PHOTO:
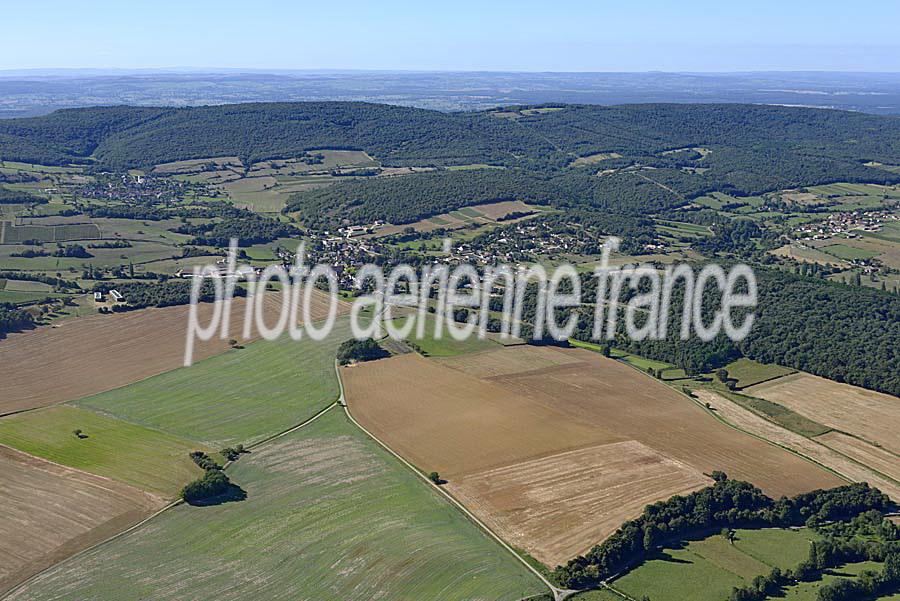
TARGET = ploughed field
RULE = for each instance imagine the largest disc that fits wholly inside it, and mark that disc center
(554, 448)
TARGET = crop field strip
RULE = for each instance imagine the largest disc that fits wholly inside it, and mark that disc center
(337, 517)
(870, 416)
(481, 434)
(241, 396)
(102, 352)
(815, 449)
(51, 511)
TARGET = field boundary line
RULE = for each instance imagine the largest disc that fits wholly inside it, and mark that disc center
(131, 528)
(558, 594)
(159, 512)
(766, 381)
(722, 420)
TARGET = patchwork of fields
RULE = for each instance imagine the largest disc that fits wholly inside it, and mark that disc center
(101, 352)
(525, 441)
(870, 416)
(328, 515)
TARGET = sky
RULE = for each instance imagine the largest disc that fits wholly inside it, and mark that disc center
(460, 35)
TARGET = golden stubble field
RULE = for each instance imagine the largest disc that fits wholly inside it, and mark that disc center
(554, 448)
(871, 416)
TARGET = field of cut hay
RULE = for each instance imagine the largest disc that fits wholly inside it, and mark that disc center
(877, 458)
(444, 420)
(485, 434)
(93, 354)
(328, 515)
(51, 511)
(872, 416)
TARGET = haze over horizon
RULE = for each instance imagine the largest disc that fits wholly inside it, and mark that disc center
(525, 36)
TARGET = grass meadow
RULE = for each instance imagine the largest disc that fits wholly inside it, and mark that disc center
(707, 570)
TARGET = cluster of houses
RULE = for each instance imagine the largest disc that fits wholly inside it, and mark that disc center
(849, 224)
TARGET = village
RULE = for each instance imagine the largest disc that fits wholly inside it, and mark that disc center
(845, 223)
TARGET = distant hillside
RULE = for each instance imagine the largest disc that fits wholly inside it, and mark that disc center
(676, 150)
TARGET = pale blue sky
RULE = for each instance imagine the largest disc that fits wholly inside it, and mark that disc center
(546, 35)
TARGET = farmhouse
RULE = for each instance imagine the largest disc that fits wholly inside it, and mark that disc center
(98, 297)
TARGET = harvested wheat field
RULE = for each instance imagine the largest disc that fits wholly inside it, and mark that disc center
(516, 446)
(572, 500)
(877, 458)
(444, 420)
(813, 448)
(609, 394)
(870, 415)
(508, 361)
(51, 511)
(93, 354)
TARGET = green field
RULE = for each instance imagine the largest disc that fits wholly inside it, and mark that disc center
(849, 253)
(13, 234)
(329, 515)
(748, 372)
(144, 458)
(807, 591)
(707, 570)
(241, 396)
(446, 346)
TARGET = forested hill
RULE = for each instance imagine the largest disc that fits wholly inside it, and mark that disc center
(747, 141)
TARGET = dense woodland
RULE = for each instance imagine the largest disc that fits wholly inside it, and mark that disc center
(752, 149)
(10, 196)
(845, 333)
(13, 319)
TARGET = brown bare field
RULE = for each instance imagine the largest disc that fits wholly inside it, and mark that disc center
(573, 499)
(872, 416)
(87, 355)
(51, 511)
(444, 420)
(878, 459)
(510, 360)
(492, 436)
(609, 394)
(813, 449)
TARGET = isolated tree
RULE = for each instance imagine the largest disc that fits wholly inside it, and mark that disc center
(435, 477)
